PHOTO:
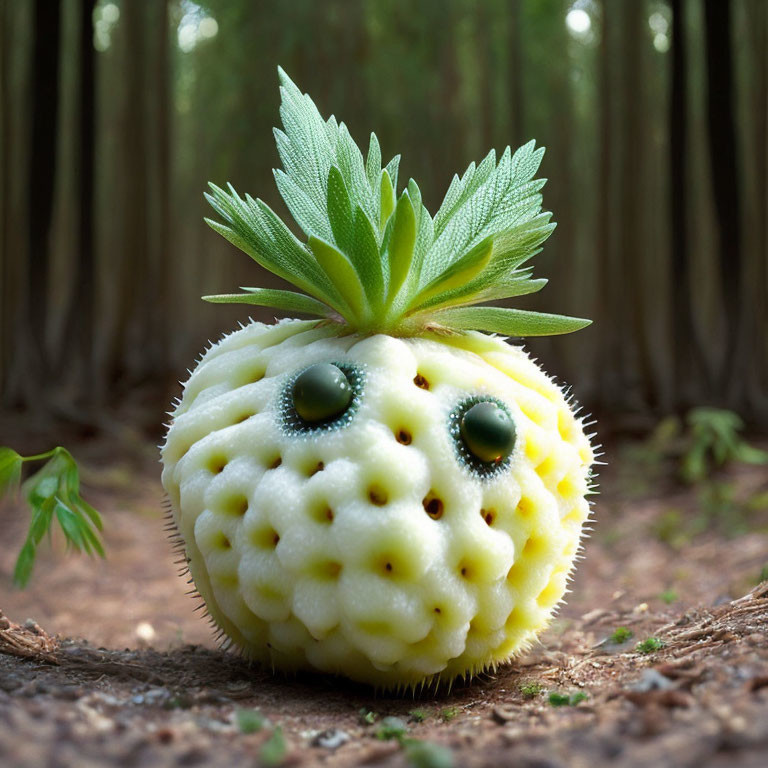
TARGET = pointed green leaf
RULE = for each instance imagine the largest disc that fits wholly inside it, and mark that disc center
(425, 235)
(386, 199)
(391, 168)
(69, 525)
(307, 146)
(311, 219)
(340, 211)
(289, 301)
(256, 229)
(24, 565)
(484, 289)
(400, 247)
(41, 520)
(461, 189)
(509, 322)
(10, 470)
(93, 540)
(349, 160)
(506, 199)
(366, 259)
(459, 273)
(340, 270)
(91, 513)
(373, 162)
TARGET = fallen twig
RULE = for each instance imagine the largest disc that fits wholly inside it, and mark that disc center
(27, 641)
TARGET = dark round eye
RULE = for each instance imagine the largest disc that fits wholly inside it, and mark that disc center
(321, 392)
(484, 435)
(488, 432)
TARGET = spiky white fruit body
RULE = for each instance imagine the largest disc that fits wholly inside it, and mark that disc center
(371, 550)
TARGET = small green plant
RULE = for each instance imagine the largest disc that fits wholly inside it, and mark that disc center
(671, 528)
(692, 449)
(426, 754)
(713, 442)
(621, 635)
(669, 596)
(449, 713)
(366, 716)
(391, 728)
(695, 450)
(250, 720)
(649, 645)
(763, 575)
(530, 690)
(418, 754)
(577, 697)
(557, 699)
(53, 492)
(273, 750)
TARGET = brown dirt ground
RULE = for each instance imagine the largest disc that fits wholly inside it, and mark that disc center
(172, 700)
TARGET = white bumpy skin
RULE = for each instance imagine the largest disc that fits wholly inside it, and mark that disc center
(371, 551)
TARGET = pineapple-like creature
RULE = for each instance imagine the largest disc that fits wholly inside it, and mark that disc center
(390, 491)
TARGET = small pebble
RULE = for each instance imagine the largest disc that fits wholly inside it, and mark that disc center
(145, 632)
(333, 738)
(652, 680)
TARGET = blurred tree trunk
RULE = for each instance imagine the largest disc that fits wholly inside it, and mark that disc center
(44, 87)
(756, 22)
(631, 212)
(725, 184)
(7, 304)
(126, 350)
(159, 193)
(516, 66)
(76, 363)
(609, 384)
(688, 359)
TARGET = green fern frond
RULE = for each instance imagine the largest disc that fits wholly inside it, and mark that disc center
(53, 494)
(377, 261)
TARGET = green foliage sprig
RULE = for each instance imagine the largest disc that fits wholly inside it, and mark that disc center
(649, 645)
(698, 450)
(53, 493)
(557, 699)
(374, 259)
(706, 440)
(621, 635)
(713, 441)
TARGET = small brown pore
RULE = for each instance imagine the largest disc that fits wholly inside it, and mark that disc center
(433, 506)
(378, 495)
(420, 381)
(276, 463)
(404, 437)
(489, 515)
(217, 464)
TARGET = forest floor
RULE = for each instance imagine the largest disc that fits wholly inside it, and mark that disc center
(121, 671)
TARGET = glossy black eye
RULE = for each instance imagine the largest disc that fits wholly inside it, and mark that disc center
(488, 432)
(321, 392)
(484, 434)
(322, 396)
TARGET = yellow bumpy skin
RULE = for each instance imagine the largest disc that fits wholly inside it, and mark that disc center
(371, 549)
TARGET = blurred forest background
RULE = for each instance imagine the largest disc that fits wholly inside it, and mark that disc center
(115, 115)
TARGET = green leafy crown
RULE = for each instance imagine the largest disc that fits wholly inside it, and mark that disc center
(377, 262)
